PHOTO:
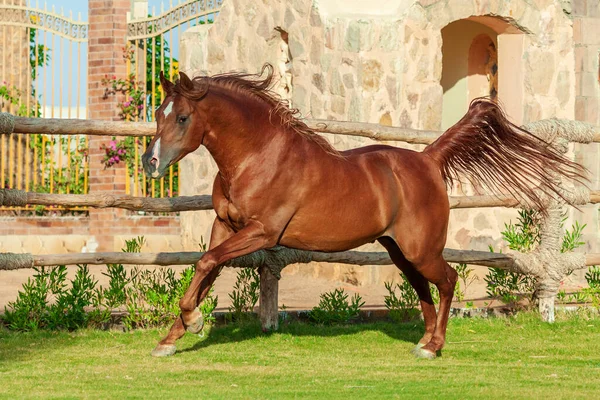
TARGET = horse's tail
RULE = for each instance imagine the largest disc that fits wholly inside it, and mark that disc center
(491, 151)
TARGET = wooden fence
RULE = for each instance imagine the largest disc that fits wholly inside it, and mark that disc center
(546, 263)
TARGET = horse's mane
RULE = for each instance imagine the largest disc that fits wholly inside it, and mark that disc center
(259, 88)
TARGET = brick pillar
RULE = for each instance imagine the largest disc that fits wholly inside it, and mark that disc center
(107, 38)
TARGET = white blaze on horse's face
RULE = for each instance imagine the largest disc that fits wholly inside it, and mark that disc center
(156, 155)
(168, 109)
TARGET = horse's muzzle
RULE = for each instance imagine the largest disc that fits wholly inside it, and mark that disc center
(152, 166)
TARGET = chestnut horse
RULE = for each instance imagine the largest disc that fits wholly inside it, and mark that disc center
(279, 183)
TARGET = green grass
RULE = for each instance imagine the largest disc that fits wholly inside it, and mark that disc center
(484, 358)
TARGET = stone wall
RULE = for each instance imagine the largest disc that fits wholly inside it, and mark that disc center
(384, 65)
(586, 37)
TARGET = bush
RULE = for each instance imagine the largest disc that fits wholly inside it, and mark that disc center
(524, 236)
(401, 306)
(245, 294)
(334, 308)
(33, 310)
(151, 297)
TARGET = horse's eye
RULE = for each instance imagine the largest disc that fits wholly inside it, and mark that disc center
(181, 119)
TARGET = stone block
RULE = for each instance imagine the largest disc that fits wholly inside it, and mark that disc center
(430, 109)
(593, 8)
(338, 105)
(563, 87)
(540, 71)
(590, 31)
(461, 9)
(592, 112)
(348, 80)
(318, 81)
(336, 86)
(370, 75)
(589, 84)
(579, 7)
(354, 110)
(579, 58)
(580, 108)
(591, 59)
(316, 106)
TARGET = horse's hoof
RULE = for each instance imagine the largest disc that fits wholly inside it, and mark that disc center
(198, 324)
(416, 349)
(424, 353)
(164, 350)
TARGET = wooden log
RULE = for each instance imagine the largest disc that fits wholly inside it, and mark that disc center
(183, 258)
(204, 202)
(103, 200)
(592, 259)
(56, 126)
(483, 201)
(595, 197)
(269, 291)
(378, 132)
(484, 258)
(59, 126)
(374, 131)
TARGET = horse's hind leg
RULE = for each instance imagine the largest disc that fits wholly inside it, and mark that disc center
(444, 278)
(419, 283)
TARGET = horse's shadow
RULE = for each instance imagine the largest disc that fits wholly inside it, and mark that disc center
(409, 332)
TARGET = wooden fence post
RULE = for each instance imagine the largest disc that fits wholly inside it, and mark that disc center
(268, 306)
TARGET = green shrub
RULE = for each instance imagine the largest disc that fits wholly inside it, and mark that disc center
(33, 309)
(334, 308)
(245, 294)
(401, 306)
(465, 279)
(151, 297)
(524, 236)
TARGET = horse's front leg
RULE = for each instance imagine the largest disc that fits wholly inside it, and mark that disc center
(231, 245)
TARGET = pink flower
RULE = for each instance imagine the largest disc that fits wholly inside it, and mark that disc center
(127, 104)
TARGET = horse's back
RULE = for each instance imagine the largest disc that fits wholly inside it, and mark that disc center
(362, 196)
(421, 220)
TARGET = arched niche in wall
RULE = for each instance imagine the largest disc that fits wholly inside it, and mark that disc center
(481, 56)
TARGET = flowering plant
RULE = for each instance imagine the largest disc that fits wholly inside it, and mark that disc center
(131, 109)
(114, 153)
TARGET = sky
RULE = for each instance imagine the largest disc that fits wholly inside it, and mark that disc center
(64, 74)
(81, 6)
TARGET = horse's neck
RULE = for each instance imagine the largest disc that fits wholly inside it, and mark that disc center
(238, 136)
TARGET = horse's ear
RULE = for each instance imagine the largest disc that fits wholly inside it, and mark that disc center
(166, 84)
(185, 81)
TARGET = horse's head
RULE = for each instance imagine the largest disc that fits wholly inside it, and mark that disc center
(179, 131)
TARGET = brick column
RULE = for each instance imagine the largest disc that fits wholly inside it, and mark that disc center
(107, 38)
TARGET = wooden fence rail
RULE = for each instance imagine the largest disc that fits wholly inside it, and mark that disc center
(278, 257)
(55, 126)
(13, 197)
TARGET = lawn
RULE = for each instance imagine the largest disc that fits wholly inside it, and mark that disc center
(484, 358)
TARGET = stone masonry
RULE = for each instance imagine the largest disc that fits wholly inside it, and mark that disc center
(383, 64)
